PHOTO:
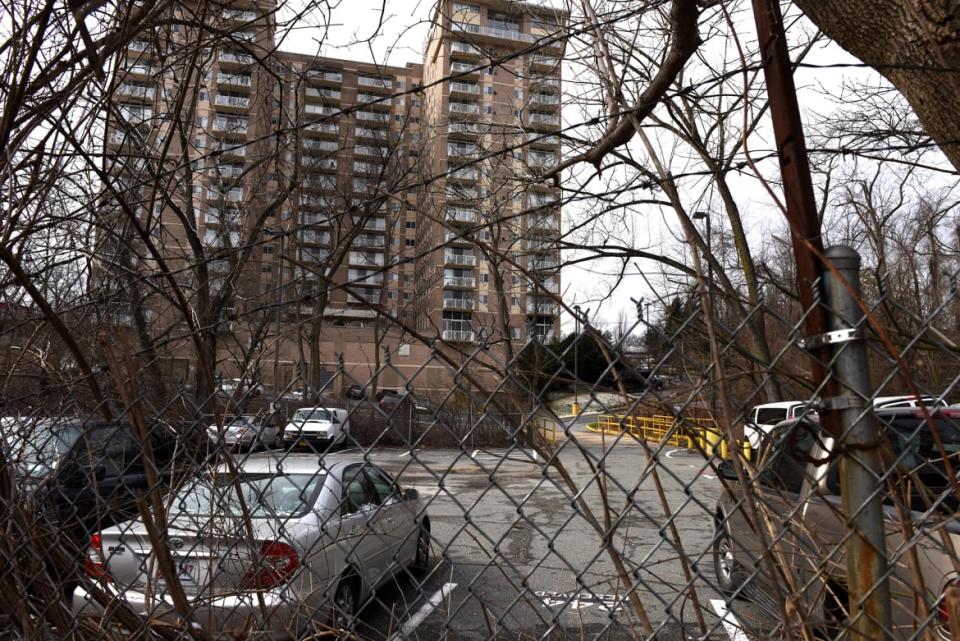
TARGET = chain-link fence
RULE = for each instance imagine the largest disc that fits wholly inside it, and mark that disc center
(668, 496)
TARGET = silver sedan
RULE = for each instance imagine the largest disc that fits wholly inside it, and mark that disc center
(321, 535)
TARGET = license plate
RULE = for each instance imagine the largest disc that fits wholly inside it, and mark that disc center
(185, 571)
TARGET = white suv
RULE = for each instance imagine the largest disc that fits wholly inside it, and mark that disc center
(320, 425)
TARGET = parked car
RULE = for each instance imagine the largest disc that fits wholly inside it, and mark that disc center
(324, 426)
(356, 392)
(900, 402)
(763, 418)
(325, 534)
(84, 473)
(247, 431)
(799, 480)
(387, 399)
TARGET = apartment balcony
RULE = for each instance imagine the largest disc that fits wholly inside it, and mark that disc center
(320, 110)
(541, 245)
(465, 108)
(540, 199)
(230, 126)
(369, 240)
(546, 223)
(541, 121)
(226, 171)
(233, 80)
(544, 63)
(314, 163)
(320, 146)
(465, 129)
(544, 100)
(372, 152)
(370, 297)
(366, 259)
(375, 224)
(325, 76)
(542, 308)
(319, 182)
(215, 217)
(143, 92)
(377, 82)
(368, 168)
(460, 260)
(316, 219)
(464, 50)
(545, 82)
(462, 282)
(467, 304)
(239, 15)
(230, 58)
(233, 195)
(375, 134)
(540, 160)
(459, 336)
(373, 117)
(314, 254)
(543, 336)
(460, 215)
(322, 93)
(245, 36)
(142, 71)
(453, 238)
(235, 102)
(544, 142)
(464, 174)
(542, 263)
(470, 70)
(455, 193)
(310, 237)
(322, 129)
(365, 278)
(550, 286)
(467, 89)
(374, 101)
(492, 33)
(462, 150)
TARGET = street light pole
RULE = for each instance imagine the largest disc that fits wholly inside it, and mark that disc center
(576, 361)
(705, 215)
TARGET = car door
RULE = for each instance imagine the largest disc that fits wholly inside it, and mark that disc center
(358, 541)
(396, 523)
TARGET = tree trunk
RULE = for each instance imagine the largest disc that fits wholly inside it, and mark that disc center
(915, 44)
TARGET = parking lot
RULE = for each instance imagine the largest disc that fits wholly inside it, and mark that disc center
(517, 558)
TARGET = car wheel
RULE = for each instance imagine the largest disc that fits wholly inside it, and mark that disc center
(421, 556)
(345, 603)
(725, 567)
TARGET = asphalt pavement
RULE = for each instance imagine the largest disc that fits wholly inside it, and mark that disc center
(518, 546)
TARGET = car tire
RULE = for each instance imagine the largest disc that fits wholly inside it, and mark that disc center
(421, 554)
(729, 575)
(345, 603)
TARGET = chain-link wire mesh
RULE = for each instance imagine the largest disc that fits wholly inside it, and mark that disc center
(624, 494)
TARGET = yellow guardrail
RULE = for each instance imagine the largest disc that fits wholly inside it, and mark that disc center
(689, 433)
(547, 430)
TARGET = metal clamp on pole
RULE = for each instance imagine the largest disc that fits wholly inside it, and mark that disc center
(835, 337)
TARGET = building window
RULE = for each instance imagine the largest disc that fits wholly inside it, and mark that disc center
(489, 90)
(266, 269)
(484, 277)
(515, 333)
(483, 299)
(410, 242)
(490, 109)
(411, 224)
(515, 301)
(391, 295)
(407, 295)
(268, 249)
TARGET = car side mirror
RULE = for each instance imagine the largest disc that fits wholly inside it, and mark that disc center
(411, 494)
(727, 471)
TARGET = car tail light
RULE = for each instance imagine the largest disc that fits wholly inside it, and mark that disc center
(276, 564)
(93, 564)
(943, 607)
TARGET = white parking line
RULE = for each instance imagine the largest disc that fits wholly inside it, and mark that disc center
(403, 634)
(730, 623)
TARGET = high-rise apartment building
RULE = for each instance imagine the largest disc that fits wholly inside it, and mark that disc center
(312, 207)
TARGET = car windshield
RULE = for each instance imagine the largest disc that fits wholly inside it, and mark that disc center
(266, 495)
(312, 414)
(37, 449)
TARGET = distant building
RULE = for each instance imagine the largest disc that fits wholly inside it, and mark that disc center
(373, 188)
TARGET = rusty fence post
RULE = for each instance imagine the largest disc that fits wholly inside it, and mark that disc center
(861, 467)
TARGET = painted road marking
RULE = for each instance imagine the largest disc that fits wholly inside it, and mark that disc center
(580, 600)
(403, 634)
(730, 623)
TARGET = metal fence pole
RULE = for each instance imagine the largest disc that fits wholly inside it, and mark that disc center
(860, 463)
